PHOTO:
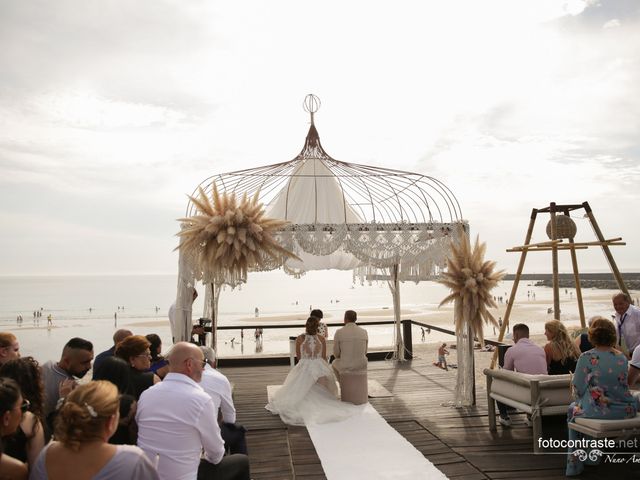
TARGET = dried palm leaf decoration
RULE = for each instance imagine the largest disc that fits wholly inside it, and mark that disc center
(226, 237)
(471, 280)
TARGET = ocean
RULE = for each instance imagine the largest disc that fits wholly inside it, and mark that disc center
(93, 306)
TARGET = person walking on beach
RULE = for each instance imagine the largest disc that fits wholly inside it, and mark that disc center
(422, 332)
(49, 320)
(178, 407)
(442, 359)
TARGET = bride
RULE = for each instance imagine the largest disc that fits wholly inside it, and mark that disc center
(309, 394)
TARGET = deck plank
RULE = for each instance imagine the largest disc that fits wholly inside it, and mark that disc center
(456, 440)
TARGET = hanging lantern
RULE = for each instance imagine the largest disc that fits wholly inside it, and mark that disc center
(565, 227)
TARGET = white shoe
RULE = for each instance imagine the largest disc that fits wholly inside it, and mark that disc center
(505, 422)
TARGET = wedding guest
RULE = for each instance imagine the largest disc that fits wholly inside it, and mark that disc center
(627, 321)
(159, 364)
(561, 353)
(524, 357)
(600, 385)
(120, 335)
(60, 377)
(118, 372)
(219, 389)
(9, 347)
(12, 407)
(322, 327)
(582, 340)
(350, 345)
(178, 408)
(86, 420)
(29, 439)
(135, 351)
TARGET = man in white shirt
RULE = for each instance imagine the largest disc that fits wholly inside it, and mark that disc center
(177, 420)
(627, 320)
(218, 387)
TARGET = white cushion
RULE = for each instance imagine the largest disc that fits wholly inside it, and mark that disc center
(609, 425)
(556, 395)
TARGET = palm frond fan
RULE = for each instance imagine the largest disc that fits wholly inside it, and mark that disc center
(471, 280)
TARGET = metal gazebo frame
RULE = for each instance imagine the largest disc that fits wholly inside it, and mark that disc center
(378, 219)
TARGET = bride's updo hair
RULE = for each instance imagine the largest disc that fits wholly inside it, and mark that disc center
(84, 413)
(311, 326)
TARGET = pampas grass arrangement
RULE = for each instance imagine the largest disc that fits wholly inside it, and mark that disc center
(471, 280)
(226, 238)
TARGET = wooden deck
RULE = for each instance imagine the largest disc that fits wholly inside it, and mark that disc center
(457, 441)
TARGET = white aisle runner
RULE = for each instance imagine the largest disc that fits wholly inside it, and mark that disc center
(365, 446)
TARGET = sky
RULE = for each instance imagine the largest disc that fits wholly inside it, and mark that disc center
(112, 111)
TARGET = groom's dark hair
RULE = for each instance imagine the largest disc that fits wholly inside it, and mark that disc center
(350, 316)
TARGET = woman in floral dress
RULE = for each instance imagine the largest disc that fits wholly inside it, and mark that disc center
(600, 386)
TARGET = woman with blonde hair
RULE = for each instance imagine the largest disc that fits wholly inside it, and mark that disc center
(562, 354)
(86, 419)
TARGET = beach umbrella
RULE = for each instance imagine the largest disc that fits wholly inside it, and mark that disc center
(470, 279)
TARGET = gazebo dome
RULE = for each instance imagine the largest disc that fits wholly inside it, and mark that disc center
(345, 215)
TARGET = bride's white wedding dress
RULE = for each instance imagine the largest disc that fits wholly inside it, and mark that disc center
(309, 394)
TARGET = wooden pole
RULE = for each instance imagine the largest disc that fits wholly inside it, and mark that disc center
(607, 252)
(554, 263)
(516, 281)
(576, 279)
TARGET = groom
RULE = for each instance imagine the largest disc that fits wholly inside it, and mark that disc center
(350, 346)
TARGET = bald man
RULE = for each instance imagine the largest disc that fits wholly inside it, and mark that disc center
(178, 407)
(120, 335)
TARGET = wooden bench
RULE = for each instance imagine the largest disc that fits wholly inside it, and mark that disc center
(537, 395)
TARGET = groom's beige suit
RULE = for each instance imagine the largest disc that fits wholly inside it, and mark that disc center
(350, 349)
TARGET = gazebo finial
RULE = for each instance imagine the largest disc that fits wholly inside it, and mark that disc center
(311, 104)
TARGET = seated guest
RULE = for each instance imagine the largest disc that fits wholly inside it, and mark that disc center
(350, 345)
(524, 357)
(219, 389)
(177, 421)
(159, 364)
(60, 377)
(561, 353)
(9, 347)
(582, 340)
(25, 444)
(600, 385)
(85, 421)
(135, 351)
(12, 407)
(116, 371)
(322, 327)
(117, 338)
